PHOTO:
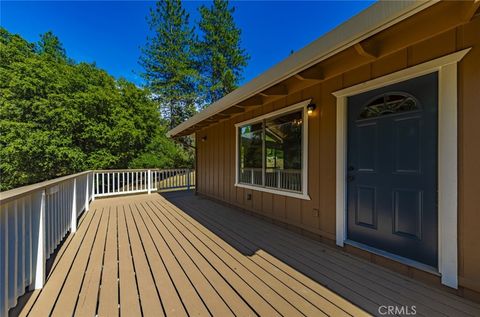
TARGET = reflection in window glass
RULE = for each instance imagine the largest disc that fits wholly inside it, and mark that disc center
(271, 153)
(251, 154)
(283, 152)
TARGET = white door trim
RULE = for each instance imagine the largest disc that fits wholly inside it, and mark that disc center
(446, 66)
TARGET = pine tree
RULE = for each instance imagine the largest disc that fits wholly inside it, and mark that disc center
(51, 46)
(167, 58)
(221, 60)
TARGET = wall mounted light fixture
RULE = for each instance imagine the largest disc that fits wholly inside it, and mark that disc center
(204, 139)
(311, 108)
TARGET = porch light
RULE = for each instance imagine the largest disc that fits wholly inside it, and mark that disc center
(311, 108)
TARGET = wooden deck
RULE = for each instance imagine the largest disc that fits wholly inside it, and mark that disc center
(180, 254)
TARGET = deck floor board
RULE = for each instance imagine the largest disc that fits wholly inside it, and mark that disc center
(177, 254)
(87, 299)
(430, 300)
(209, 295)
(149, 299)
(172, 302)
(129, 297)
(262, 274)
(108, 292)
(338, 271)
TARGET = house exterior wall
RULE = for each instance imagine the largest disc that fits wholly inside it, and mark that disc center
(216, 156)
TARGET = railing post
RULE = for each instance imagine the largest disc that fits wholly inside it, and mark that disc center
(188, 179)
(38, 244)
(4, 262)
(86, 194)
(73, 225)
(149, 182)
(94, 182)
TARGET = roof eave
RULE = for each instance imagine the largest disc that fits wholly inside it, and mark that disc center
(374, 19)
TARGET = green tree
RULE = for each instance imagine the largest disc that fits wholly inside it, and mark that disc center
(58, 118)
(50, 45)
(164, 152)
(221, 59)
(168, 61)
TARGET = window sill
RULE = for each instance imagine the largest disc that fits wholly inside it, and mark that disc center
(303, 196)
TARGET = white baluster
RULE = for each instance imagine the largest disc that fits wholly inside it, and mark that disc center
(73, 224)
(86, 194)
(149, 182)
(38, 243)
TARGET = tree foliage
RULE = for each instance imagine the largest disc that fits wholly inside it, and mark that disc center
(51, 46)
(168, 61)
(58, 117)
(221, 59)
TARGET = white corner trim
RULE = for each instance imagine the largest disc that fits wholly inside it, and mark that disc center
(300, 105)
(341, 171)
(446, 66)
(447, 175)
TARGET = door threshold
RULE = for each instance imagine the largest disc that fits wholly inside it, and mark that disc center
(394, 257)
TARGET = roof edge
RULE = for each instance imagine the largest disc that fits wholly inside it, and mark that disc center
(368, 22)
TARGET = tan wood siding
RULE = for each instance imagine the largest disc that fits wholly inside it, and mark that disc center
(317, 216)
(469, 155)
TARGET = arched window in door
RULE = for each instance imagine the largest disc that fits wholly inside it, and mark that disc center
(388, 104)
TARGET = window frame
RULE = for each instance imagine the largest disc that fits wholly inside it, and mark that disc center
(300, 195)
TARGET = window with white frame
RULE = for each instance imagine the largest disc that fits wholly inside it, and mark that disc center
(271, 151)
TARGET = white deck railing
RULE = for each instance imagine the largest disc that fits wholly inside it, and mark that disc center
(120, 182)
(34, 219)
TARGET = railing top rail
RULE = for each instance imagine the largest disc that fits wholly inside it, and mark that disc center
(140, 170)
(16, 193)
(125, 170)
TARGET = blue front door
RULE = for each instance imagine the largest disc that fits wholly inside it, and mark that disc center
(392, 169)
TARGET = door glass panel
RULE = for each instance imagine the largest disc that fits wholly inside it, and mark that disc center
(388, 104)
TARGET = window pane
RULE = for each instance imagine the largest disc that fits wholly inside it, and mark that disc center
(283, 152)
(389, 104)
(251, 154)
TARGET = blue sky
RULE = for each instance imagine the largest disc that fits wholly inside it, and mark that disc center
(111, 33)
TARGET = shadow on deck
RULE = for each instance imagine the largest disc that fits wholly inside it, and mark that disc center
(180, 254)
